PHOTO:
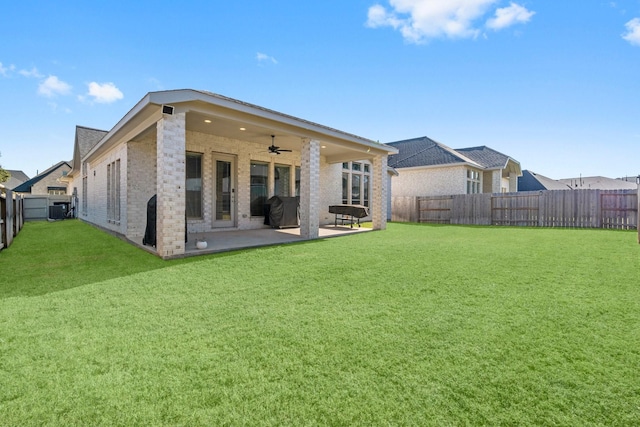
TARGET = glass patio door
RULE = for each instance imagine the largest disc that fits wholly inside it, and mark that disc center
(224, 191)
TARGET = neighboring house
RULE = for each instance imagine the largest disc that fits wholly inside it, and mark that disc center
(45, 195)
(211, 159)
(15, 178)
(49, 182)
(428, 168)
(598, 183)
(531, 181)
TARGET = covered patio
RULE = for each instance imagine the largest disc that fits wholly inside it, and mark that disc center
(212, 163)
(231, 240)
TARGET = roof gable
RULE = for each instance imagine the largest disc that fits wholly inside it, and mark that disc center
(86, 139)
(25, 187)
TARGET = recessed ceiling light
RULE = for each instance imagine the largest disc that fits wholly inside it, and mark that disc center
(323, 146)
(207, 121)
(243, 128)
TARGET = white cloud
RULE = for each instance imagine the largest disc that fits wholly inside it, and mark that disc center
(508, 16)
(104, 93)
(4, 71)
(31, 73)
(421, 20)
(261, 57)
(53, 86)
(633, 31)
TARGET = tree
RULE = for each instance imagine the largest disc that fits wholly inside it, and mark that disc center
(4, 175)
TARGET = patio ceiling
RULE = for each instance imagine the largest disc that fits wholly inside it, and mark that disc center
(260, 133)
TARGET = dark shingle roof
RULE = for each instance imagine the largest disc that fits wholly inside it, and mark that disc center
(487, 157)
(424, 152)
(86, 139)
(531, 181)
(25, 187)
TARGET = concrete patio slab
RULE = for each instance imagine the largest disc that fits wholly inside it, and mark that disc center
(230, 240)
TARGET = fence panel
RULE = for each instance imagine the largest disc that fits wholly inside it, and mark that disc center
(404, 209)
(519, 209)
(471, 209)
(3, 213)
(619, 210)
(616, 209)
(435, 210)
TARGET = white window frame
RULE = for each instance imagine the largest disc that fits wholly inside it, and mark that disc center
(361, 169)
(474, 181)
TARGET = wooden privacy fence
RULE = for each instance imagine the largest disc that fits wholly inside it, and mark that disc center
(617, 209)
(11, 217)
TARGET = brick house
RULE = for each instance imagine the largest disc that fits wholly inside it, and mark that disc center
(429, 168)
(208, 157)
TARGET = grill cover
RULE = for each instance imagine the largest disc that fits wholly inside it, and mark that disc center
(284, 211)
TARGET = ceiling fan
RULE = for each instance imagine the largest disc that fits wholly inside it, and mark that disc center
(275, 150)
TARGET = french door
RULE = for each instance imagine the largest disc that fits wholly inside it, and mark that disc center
(224, 190)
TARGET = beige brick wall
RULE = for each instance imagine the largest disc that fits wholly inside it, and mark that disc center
(142, 185)
(97, 188)
(330, 189)
(430, 182)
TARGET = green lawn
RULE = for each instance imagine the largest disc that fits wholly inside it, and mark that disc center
(416, 325)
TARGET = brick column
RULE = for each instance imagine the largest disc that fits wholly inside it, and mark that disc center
(171, 150)
(379, 184)
(496, 185)
(310, 189)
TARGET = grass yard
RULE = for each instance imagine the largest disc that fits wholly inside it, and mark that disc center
(417, 325)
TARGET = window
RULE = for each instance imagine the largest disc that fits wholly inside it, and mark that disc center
(194, 185)
(473, 182)
(56, 191)
(113, 191)
(355, 189)
(259, 180)
(282, 180)
(356, 183)
(297, 181)
(345, 188)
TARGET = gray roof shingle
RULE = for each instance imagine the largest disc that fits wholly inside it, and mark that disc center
(487, 157)
(425, 152)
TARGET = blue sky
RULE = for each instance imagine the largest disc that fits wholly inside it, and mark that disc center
(553, 84)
